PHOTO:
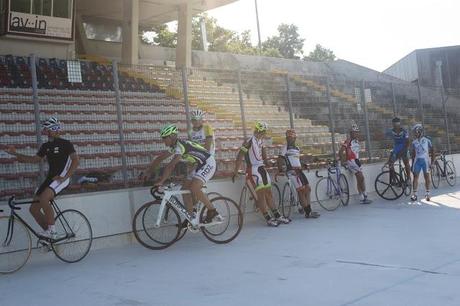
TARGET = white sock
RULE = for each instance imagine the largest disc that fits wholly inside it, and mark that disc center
(363, 196)
(52, 228)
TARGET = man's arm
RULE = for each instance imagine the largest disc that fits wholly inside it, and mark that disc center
(73, 166)
(169, 169)
(208, 143)
(148, 171)
(23, 158)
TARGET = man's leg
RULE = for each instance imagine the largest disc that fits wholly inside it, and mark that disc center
(188, 199)
(195, 187)
(407, 167)
(45, 197)
(35, 211)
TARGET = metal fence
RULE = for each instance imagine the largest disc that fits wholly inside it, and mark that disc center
(114, 114)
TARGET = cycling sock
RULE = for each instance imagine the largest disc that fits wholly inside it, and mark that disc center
(362, 196)
(52, 228)
(276, 213)
(267, 216)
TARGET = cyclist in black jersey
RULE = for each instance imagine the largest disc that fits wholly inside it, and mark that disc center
(204, 169)
(62, 160)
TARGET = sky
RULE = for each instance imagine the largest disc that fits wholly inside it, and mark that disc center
(371, 33)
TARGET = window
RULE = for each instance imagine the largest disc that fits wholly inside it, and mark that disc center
(62, 8)
(102, 31)
(41, 7)
(21, 6)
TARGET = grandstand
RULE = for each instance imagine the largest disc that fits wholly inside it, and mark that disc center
(152, 94)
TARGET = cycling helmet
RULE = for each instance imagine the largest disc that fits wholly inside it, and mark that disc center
(290, 133)
(417, 128)
(52, 123)
(197, 114)
(261, 126)
(354, 127)
(168, 130)
(396, 120)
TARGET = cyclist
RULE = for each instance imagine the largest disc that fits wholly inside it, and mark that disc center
(63, 161)
(421, 151)
(291, 156)
(204, 169)
(202, 133)
(349, 156)
(256, 157)
(401, 146)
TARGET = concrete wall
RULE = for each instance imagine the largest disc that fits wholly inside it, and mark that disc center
(25, 47)
(110, 213)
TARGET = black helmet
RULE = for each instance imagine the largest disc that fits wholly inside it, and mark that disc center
(396, 119)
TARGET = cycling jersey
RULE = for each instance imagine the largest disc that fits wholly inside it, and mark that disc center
(422, 148)
(190, 151)
(352, 148)
(57, 153)
(291, 154)
(400, 138)
(200, 136)
(253, 151)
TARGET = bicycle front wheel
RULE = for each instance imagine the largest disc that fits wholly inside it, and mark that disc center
(232, 221)
(76, 226)
(451, 174)
(435, 175)
(287, 200)
(150, 236)
(276, 195)
(389, 186)
(344, 190)
(14, 248)
(327, 195)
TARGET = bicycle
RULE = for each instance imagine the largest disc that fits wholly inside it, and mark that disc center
(289, 198)
(158, 224)
(443, 168)
(391, 184)
(332, 190)
(74, 232)
(251, 196)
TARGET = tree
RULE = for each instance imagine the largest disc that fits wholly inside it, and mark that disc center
(287, 42)
(161, 36)
(320, 54)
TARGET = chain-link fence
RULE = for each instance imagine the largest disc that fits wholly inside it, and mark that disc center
(112, 114)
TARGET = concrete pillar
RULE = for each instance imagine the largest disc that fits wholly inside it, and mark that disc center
(130, 32)
(184, 37)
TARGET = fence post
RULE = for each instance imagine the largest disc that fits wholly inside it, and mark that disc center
(38, 130)
(187, 104)
(331, 117)
(446, 119)
(121, 136)
(395, 111)
(366, 121)
(288, 88)
(420, 103)
(240, 93)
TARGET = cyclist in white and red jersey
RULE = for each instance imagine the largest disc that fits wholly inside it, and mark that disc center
(349, 156)
(253, 152)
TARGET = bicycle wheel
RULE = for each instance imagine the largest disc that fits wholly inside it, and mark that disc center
(287, 200)
(407, 184)
(327, 194)
(451, 174)
(151, 237)
(389, 190)
(344, 190)
(213, 195)
(14, 250)
(230, 227)
(75, 248)
(244, 199)
(435, 174)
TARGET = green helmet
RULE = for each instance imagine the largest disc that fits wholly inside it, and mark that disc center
(261, 126)
(168, 130)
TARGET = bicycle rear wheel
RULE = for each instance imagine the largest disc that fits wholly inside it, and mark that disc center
(14, 250)
(230, 227)
(389, 188)
(287, 200)
(435, 174)
(451, 174)
(156, 238)
(276, 195)
(327, 195)
(75, 248)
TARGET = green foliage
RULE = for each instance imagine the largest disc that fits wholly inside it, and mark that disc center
(287, 42)
(320, 54)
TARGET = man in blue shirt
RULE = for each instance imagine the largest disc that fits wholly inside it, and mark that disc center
(400, 147)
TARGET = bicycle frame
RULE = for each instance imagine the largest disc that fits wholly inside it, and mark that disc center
(330, 181)
(9, 235)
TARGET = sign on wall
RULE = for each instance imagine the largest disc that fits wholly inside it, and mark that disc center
(38, 25)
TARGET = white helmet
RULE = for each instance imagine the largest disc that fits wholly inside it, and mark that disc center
(52, 123)
(354, 127)
(197, 114)
(417, 127)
